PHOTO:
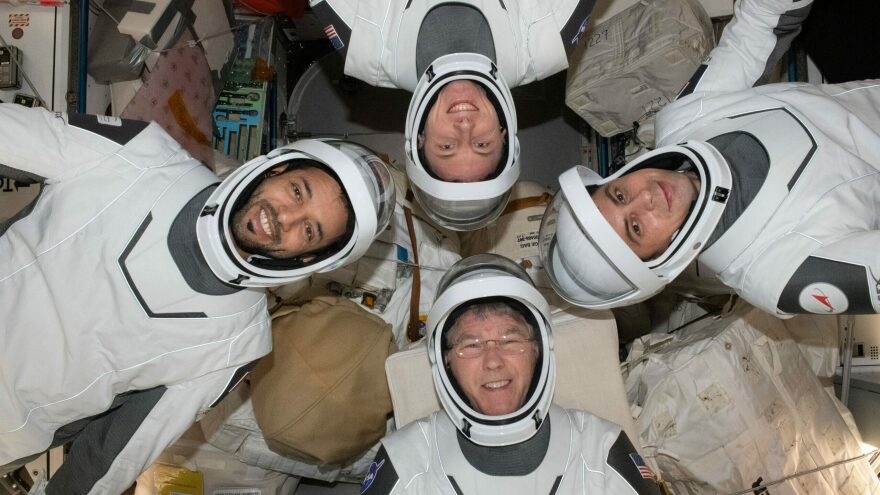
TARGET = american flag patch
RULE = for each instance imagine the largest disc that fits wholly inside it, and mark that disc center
(334, 38)
(644, 470)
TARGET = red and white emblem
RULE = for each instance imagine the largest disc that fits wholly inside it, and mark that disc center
(822, 298)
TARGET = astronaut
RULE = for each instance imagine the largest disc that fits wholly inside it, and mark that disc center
(494, 370)
(133, 297)
(395, 280)
(772, 189)
(459, 59)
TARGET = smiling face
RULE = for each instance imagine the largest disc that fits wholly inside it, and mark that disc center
(463, 140)
(494, 383)
(290, 214)
(647, 206)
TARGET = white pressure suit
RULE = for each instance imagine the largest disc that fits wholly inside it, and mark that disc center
(800, 229)
(382, 282)
(573, 452)
(115, 330)
(379, 38)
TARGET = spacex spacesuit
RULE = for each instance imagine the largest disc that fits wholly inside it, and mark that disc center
(574, 452)
(383, 282)
(121, 323)
(386, 44)
(537, 448)
(789, 187)
(425, 47)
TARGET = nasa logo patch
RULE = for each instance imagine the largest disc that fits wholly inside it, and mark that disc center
(580, 32)
(822, 298)
(371, 476)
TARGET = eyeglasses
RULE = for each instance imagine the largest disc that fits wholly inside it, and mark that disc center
(508, 344)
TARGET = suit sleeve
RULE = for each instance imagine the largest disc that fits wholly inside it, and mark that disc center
(39, 145)
(116, 447)
(630, 471)
(337, 20)
(576, 24)
(759, 34)
(840, 277)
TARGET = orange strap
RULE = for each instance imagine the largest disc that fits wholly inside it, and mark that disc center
(412, 327)
(522, 203)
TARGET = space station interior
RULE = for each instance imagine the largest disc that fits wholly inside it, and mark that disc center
(716, 395)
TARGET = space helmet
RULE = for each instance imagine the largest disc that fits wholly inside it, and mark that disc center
(480, 279)
(364, 177)
(588, 263)
(461, 205)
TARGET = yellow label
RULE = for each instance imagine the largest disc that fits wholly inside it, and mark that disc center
(175, 480)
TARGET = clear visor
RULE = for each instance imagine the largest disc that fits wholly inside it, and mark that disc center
(576, 265)
(461, 214)
(376, 176)
(522, 340)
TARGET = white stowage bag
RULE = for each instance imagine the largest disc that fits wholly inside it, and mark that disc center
(630, 66)
(217, 472)
(735, 404)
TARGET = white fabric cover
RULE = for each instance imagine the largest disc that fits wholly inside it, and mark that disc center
(630, 66)
(379, 268)
(734, 400)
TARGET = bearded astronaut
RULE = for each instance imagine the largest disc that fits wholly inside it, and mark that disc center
(132, 287)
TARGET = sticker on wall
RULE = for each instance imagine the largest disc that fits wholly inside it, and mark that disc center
(19, 20)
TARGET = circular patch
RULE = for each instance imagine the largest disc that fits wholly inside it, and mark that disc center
(822, 298)
(17, 33)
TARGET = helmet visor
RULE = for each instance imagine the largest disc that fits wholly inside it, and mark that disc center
(463, 343)
(578, 267)
(471, 298)
(490, 122)
(376, 176)
(465, 214)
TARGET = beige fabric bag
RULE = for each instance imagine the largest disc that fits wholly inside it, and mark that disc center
(321, 395)
(630, 66)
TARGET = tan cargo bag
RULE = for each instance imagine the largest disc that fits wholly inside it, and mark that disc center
(321, 395)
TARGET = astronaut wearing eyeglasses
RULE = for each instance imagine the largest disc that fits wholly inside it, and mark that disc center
(494, 370)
